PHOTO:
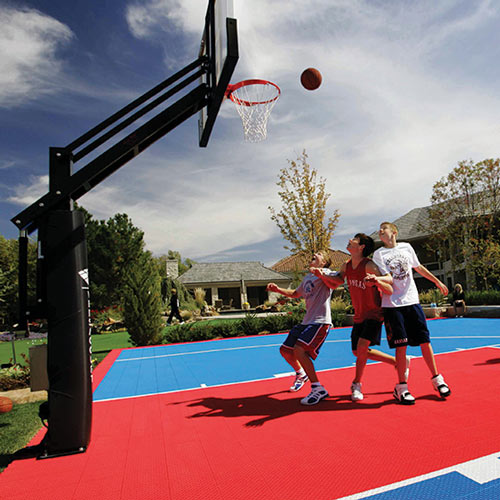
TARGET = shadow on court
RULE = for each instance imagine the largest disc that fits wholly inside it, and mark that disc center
(493, 361)
(267, 407)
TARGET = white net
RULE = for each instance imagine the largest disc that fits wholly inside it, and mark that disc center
(254, 102)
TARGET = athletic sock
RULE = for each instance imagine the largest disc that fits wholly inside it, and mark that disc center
(301, 372)
(315, 385)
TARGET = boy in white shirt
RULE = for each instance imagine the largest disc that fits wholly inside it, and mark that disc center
(403, 315)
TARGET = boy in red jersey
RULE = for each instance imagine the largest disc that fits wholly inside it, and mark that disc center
(365, 287)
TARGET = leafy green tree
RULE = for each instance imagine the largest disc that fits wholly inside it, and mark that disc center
(9, 279)
(142, 304)
(464, 217)
(303, 219)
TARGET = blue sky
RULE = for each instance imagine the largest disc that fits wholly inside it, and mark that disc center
(409, 89)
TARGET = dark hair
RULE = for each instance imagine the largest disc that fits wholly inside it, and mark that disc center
(367, 241)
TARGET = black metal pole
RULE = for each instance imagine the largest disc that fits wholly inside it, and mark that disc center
(68, 350)
(23, 282)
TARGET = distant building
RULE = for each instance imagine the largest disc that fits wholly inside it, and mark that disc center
(231, 284)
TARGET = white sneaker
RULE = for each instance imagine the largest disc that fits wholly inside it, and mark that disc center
(402, 394)
(356, 394)
(440, 385)
(299, 382)
(315, 396)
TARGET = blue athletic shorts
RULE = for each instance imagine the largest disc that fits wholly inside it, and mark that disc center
(310, 337)
(406, 325)
(370, 329)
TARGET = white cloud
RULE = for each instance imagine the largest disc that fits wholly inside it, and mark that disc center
(29, 64)
(388, 121)
(26, 194)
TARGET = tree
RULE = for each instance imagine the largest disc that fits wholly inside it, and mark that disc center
(464, 215)
(142, 304)
(303, 219)
(168, 283)
(113, 247)
(9, 279)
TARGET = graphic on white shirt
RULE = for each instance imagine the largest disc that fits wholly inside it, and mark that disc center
(398, 265)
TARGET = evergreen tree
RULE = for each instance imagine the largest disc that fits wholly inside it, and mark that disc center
(142, 304)
(113, 248)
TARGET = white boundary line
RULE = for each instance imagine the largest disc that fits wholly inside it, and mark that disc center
(469, 469)
(277, 345)
(278, 375)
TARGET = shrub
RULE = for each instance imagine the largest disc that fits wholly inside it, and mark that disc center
(199, 298)
(14, 377)
(432, 296)
(142, 303)
(338, 318)
(226, 330)
(276, 323)
(296, 309)
(250, 324)
(482, 297)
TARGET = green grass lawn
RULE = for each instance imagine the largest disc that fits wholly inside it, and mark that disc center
(101, 343)
(18, 428)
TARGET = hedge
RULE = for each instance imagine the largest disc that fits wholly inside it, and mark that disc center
(249, 325)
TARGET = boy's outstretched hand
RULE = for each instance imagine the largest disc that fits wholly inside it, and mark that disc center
(317, 271)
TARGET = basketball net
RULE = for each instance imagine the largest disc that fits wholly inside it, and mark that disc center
(254, 101)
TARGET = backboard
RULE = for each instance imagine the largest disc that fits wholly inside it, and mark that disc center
(219, 43)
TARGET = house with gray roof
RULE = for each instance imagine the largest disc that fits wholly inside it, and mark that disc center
(233, 283)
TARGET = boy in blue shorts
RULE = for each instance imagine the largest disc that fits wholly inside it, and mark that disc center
(404, 318)
(304, 341)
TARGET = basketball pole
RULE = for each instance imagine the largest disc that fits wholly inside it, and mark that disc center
(62, 267)
(62, 238)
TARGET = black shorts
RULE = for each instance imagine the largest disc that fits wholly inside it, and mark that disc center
(406, 325)
(370, 329)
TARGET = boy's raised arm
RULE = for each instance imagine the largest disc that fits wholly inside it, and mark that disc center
(331, 281)
(287, 292)
(423, 271)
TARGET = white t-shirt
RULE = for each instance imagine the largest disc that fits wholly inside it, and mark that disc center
(317, 296)
(398, 262)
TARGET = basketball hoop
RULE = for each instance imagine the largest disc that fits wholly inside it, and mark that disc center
(254, 100)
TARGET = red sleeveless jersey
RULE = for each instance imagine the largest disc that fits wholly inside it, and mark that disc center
(366, 299)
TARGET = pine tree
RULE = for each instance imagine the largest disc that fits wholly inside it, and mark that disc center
(142, 304)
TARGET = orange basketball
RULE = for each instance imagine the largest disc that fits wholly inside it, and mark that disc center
(311, 78)
(5, 404)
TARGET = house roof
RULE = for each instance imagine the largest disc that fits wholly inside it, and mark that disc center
(300, 261)
(229, 271)
(410, 225)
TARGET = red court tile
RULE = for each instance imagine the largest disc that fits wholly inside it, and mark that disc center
(255, 441)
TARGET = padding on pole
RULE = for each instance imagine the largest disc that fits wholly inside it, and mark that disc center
(69, 344)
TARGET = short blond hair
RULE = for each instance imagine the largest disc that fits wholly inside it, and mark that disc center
(391, 225)
(326, 257)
